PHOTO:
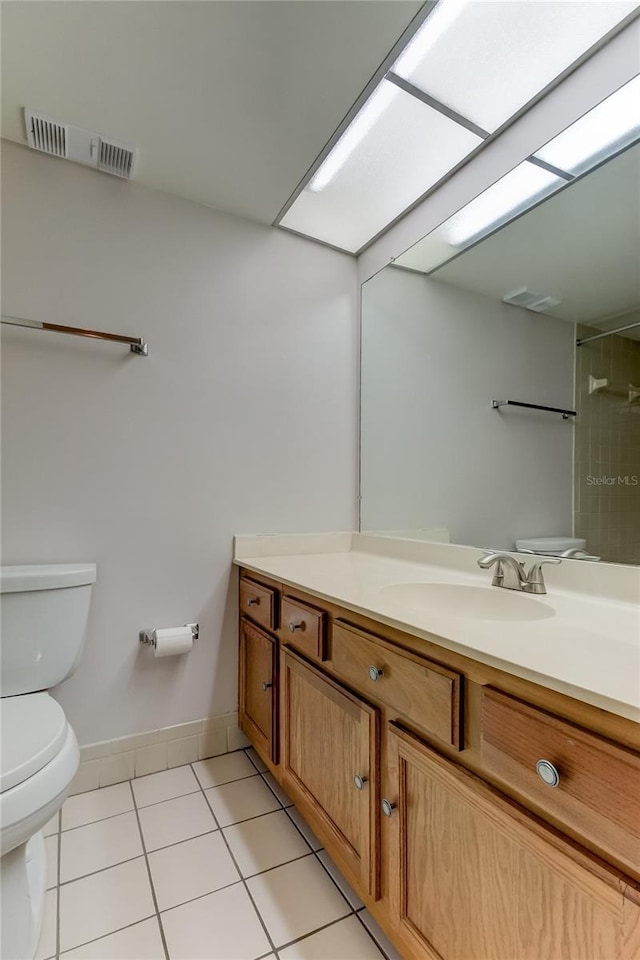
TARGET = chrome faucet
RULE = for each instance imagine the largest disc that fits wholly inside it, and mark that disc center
(511, 574)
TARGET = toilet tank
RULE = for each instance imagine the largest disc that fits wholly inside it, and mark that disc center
(43, 618)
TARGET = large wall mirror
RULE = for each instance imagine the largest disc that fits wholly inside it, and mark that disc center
(480, 312)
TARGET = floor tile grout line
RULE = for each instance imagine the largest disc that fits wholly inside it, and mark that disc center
(241, 879)
(146, 860)
(299, 829)
(104, 936)
(175, 843)
(378, 945)
(305, 936)
(58, 882)
(333, 880)
(314, 853)
(201, 896)
(93, 873)
(216, 829)
(244, 882)
(110, 816)
(157, 803)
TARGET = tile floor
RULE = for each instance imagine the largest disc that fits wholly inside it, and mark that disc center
(208, 861)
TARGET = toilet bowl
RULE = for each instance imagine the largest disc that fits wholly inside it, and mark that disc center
(44, 614)
(39, 759)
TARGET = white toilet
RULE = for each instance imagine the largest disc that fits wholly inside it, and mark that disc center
(44, 617)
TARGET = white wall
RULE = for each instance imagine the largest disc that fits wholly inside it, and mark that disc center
(242, 419)
(434, 453)
(603, 73)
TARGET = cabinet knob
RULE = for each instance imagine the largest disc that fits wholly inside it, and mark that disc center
(548, 773)
(388, 807)
(375, 673)
(359, 781)
(296, 626)
(253, 601)
(265, 685)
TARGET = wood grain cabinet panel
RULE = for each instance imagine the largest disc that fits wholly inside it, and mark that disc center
(598, 791)
(258, 689)
(259, 602)
(475, 877)
(330, 739)
(304, 627)
(427, 694)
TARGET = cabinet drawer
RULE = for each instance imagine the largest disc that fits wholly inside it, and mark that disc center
(258, 602)
(424, 692)
(304, 628)
(597, 793)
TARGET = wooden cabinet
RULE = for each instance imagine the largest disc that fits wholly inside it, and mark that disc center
(477, 878)
(259, 689)
(330, 757)
(416, 768)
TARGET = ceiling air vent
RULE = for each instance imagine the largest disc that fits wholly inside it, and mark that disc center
(45, 134)
(539, 302)
(116, 159)
(78, 144)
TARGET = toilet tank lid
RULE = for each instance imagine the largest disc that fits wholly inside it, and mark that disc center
(34, 728)
(52, 576)
(551, 544)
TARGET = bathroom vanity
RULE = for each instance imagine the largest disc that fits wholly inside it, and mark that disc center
(481, 807)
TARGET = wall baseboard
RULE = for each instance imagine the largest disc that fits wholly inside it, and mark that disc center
(112, 761)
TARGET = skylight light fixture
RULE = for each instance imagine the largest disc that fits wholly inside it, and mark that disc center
(370, 113)
(487, 59)
(612, 125)
(437, 23)
(516, 191)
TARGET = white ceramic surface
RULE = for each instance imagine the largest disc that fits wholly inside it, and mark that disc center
(467, 603)
(44, 618)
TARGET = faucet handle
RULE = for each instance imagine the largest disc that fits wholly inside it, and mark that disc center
(535, 580)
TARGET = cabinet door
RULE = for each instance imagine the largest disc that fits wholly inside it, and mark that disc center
(330, 759)
(258, 694)
(475, 877)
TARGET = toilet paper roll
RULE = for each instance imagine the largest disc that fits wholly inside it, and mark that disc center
(172, 640)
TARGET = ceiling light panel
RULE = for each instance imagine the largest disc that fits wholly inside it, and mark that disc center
(517, 191)
(612, 125)
(394, 151)
(486, 59)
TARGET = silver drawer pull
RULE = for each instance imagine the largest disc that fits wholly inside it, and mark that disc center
(548, 773)
(266, 686)
(296, 626)
(375, 673)
(388, 807)
(359, 781)
(253, 600)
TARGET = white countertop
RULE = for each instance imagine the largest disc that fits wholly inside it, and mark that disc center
(587, 648)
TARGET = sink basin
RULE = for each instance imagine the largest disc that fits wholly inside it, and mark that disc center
(468, 603)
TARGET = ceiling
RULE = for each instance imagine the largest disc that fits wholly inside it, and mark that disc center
(581, 246)
(228, 103)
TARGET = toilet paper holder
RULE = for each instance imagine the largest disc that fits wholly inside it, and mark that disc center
(149, 635)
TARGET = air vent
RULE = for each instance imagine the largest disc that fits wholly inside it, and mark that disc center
(116, 159)
(79, 145)
(538, 302)
(45, 134)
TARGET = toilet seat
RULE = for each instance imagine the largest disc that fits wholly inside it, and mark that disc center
(34, 728)
(41, 766)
